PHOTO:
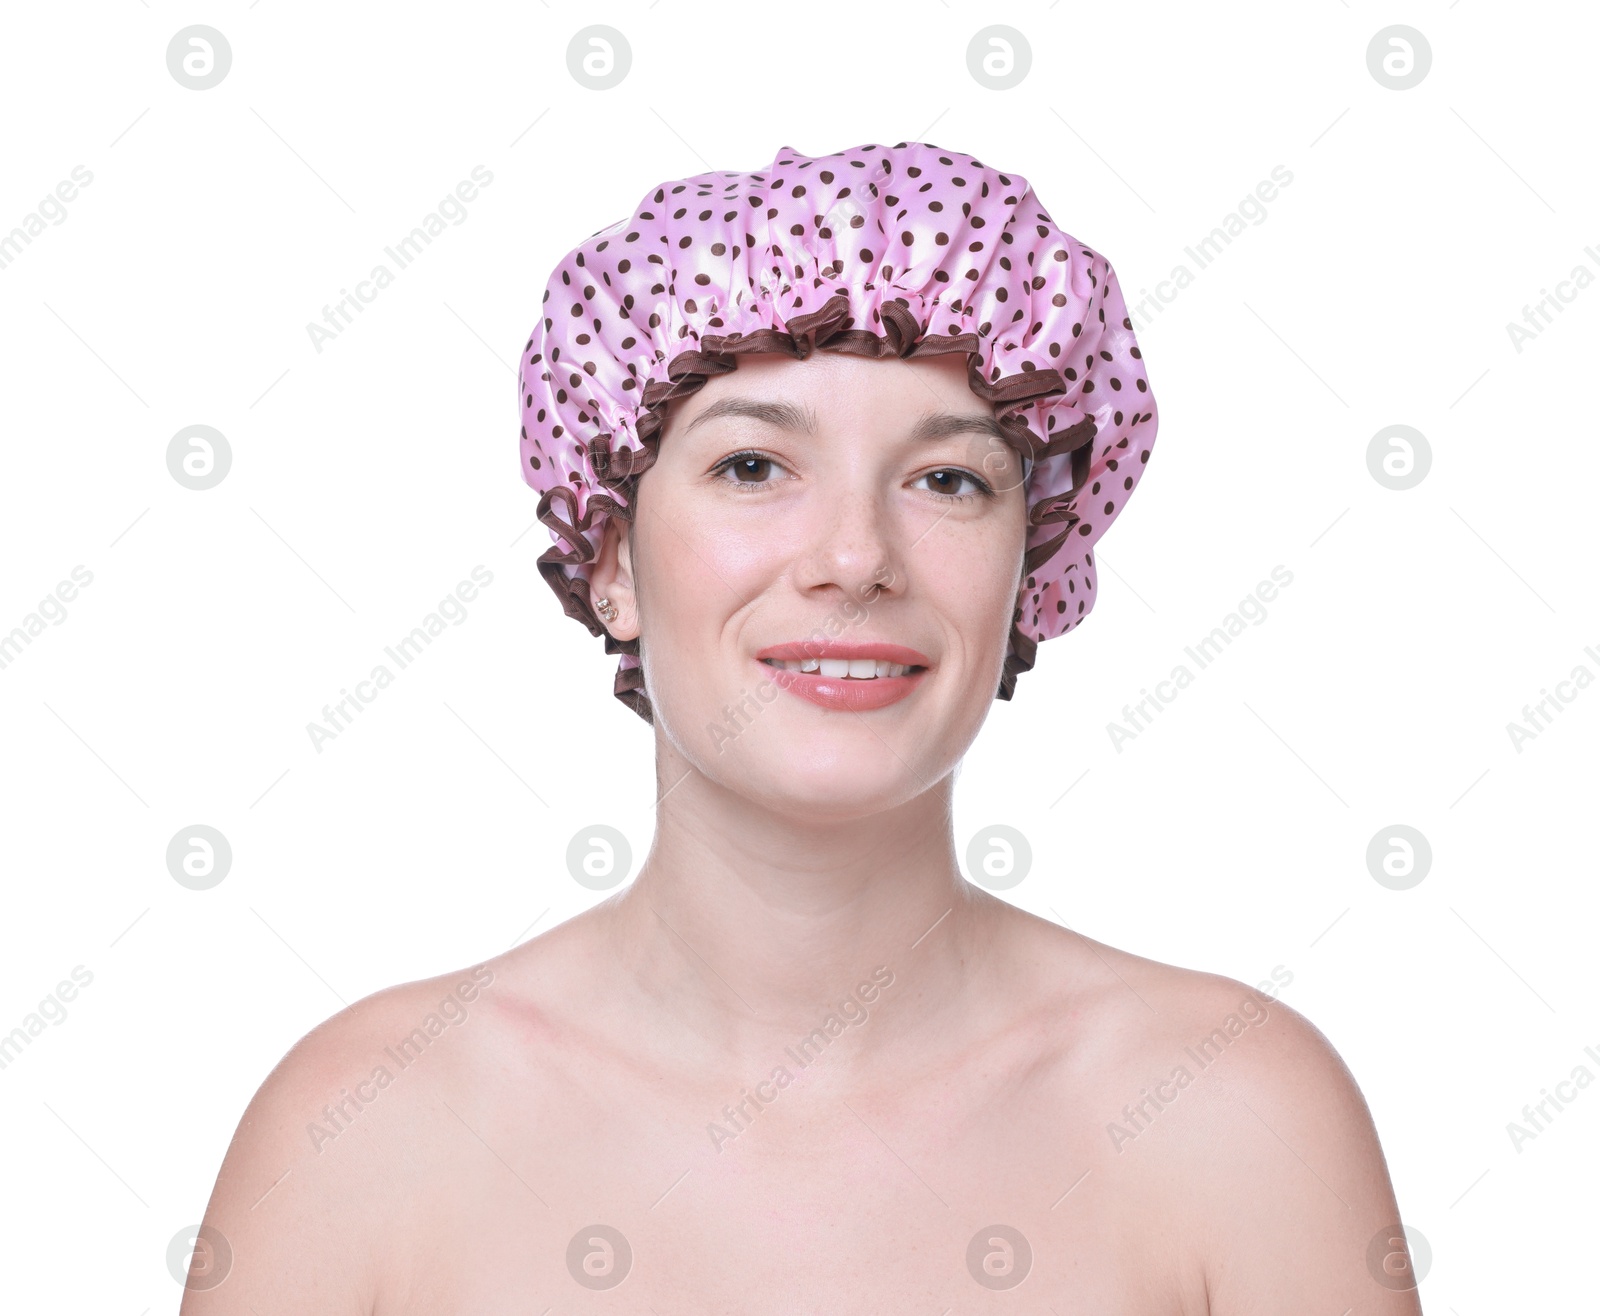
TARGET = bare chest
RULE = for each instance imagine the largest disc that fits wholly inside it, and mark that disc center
(784, 1197)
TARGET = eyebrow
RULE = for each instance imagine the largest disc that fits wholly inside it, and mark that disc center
(785, 415)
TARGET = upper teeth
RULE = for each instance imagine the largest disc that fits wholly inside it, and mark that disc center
(861, 669)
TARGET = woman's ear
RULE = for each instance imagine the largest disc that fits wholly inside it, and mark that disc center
(611, 577)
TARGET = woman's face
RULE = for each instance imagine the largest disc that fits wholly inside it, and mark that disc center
(830, 504)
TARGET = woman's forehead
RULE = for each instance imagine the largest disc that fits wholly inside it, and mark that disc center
(829, 388)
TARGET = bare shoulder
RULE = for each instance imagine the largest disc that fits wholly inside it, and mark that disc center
(301, 1213)
(1247, 1111)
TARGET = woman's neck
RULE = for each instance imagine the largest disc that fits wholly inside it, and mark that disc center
(746, 928)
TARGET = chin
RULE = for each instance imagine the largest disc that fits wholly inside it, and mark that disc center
(822, 793)
(839, 766)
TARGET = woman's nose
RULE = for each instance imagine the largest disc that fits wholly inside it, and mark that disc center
(855, 544)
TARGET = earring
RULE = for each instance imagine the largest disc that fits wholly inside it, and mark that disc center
(606, 608)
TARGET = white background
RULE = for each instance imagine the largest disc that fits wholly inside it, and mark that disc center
(369, 478)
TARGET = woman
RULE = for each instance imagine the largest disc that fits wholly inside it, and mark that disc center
(825, 450)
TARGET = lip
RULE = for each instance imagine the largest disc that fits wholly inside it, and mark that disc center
(838, 693)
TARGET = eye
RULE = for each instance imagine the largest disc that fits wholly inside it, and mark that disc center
(947, 481)
(747, 468)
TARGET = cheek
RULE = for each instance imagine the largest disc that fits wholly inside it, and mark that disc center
(696, 574)
(983, 573)
(706, 566)
(746, 547)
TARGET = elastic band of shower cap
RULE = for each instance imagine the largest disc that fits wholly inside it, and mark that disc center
(909, 251)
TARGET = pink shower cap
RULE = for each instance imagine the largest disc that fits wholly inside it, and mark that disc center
(908, 251)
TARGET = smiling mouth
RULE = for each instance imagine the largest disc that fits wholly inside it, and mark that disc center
(853, 669)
